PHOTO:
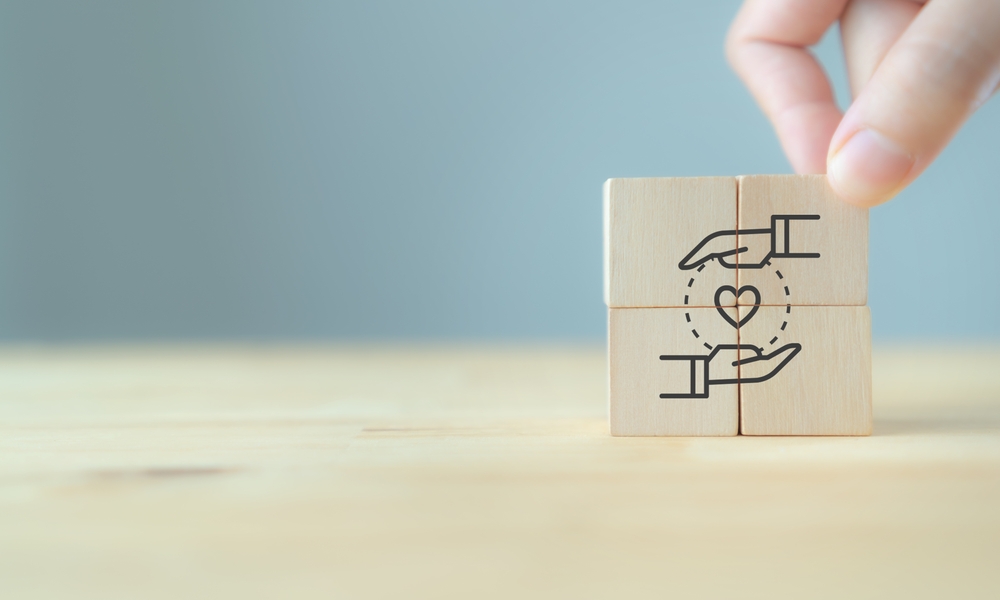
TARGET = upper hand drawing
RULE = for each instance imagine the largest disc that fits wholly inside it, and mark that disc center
(753, 247)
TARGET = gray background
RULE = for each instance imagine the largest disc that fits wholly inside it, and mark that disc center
(260, 170)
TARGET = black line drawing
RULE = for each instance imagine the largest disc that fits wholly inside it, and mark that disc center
(732, 290)
(718, 303)
(761, 245)
(759, 366)
(754, 249)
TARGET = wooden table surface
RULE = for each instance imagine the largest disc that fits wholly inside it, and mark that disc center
(474, 472)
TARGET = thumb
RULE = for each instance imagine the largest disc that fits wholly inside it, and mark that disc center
(943, 67)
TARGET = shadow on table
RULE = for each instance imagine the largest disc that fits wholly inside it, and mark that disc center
(937, 425)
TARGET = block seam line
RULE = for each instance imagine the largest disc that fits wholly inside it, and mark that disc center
(739, 367)
(739, 378)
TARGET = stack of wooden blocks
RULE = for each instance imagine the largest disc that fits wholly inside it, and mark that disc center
(736, 305)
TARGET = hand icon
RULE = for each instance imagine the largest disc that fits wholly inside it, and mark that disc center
(719, 245)
(755, 247)
(756, 367)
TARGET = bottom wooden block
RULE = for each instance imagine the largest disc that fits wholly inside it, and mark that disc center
(673, 371)
(805, 370)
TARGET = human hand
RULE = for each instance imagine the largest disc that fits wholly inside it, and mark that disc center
(917, 71)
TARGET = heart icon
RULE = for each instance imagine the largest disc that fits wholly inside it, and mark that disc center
(737, 294)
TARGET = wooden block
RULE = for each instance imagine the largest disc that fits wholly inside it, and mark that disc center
(805, 370)
(652, 225)
(804, 246)
(672, 371)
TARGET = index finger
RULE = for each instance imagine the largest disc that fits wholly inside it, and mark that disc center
(767, 46)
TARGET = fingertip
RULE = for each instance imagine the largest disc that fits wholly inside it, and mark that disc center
(868, 168)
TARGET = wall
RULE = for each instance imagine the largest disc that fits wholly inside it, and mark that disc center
(397, 170)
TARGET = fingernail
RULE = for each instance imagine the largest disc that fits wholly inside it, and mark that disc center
(869, 168)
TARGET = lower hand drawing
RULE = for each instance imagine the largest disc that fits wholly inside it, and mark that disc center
(756, 366)
(755, 247)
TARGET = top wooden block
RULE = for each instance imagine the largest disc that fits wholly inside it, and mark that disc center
(651, 226)
(800, 244)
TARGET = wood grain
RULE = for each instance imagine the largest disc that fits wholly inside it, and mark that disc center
(839, 276)
(637, 375)
(650, 225)
(463, 471)
(825, 389)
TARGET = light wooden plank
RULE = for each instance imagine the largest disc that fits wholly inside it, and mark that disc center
(805, 370)
(671, 371)
(652, 225)
(785, 222)
(458, 471)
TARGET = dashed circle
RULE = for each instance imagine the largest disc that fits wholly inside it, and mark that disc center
(784, 323)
